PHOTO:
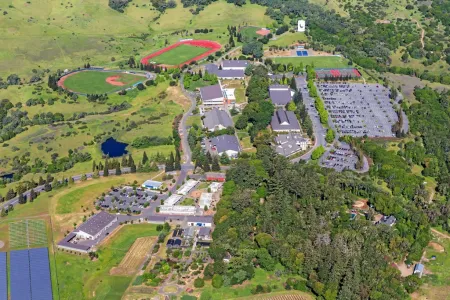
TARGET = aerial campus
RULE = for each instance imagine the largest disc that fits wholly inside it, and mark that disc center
(190, 149)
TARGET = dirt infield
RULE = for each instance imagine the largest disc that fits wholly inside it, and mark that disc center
(263, 31)
(113, 80)
(134, 257)
(212, 46)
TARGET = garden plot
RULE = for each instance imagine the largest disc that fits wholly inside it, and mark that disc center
(358, 109)
(134, 257)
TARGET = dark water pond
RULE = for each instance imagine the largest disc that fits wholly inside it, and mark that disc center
(114, 148)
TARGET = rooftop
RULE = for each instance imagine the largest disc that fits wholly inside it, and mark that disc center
(280, 94)
(217, 117)
(225, 142)
(284, 120)
(234, 64)
(201, 219)
(96, 223)
(211, 92)
(204, 231)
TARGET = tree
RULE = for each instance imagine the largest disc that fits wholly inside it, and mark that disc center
(118, 170)
(224, 159)
(144, 158)
(291, 106)
(330, 136)
(94, 166)
(215, 164)
(106, 169)
(199, 282)
(217, 281)
(22, 199)
(33, 195)
(318, 152)
(177, 165)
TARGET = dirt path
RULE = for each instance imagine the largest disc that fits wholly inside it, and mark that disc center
(441, 234)
(422, 34)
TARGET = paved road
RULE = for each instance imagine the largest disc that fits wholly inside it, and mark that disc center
(318, 129)
(187, 154)
(40, 188)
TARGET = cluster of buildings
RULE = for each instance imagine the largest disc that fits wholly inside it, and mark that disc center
(196, 232)
(228, 69)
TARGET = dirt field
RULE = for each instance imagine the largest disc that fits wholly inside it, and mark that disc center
(436, 246)
(282, 296)
(427, 292)
(278, 53)
(134, 257)
(404, 270)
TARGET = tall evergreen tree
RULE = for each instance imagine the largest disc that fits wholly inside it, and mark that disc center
(124, 161)
(215, 164)
(106, 169)
(118, 170)
(94, 166)
(144, 158)
(22, 199)
(177, 165)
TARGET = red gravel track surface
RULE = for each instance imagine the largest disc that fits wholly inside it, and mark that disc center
(212, 46)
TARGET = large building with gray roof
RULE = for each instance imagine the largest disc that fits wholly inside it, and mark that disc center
(212, 95)
(225, 74)
(96, 225)
(226, 143)
(280, 95)
(284, 121)
(290, 143)
(217, 119)
(234, 64)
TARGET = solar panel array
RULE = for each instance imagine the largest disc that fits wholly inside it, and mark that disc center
(30, 275)
(20, 275)
(302, 53)
(3, 277)
(41, 286)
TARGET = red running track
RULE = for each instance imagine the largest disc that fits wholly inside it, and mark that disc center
(212, 46)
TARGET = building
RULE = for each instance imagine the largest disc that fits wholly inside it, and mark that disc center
(285, 121)
(189, 232)
(187, 187)
(211, 176)
(177, 210)
(215, 187)
(385, 220)
(212, 95)
(200, 221)
(95, 226)
(225, 74)
(289, 144)
(151, 184)
(301, 26)
(205, 200)
(204, 233)
(234, 64)
(217, 119)
(172, 200)
(226, 143)
(280, 94)
(418, 269)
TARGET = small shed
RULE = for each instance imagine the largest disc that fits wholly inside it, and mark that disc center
(418, 269)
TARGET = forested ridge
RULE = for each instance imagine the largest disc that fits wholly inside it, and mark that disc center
(274, 212)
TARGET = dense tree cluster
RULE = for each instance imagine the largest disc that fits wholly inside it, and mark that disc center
(274, 212)
(149, 141)
(118, 5)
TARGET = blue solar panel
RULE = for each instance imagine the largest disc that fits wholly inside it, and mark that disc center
(299, 53)
(3, 277)
(41, 285)
(20, 275)
(305, 53)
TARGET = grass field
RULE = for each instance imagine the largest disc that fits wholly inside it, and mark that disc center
(81, 278)
(288, 39)
(179, 55)
(27, 234)
(316, 61)
(134, 257)
(94, 82)
(249, 33)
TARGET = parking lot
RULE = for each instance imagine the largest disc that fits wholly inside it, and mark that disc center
(126, 199)
(340, 158)
(358, 109)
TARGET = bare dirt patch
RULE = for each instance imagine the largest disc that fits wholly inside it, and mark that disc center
(436, 246)
(404, 270)
(175, 93)
(113, 80)
(278, 53)
(2, 244)
(361, 204)
(134, 257)
(196, 194)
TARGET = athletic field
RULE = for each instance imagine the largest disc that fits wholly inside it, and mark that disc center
(318, 61)
(182, 53)
(179, 55)
(97, 82)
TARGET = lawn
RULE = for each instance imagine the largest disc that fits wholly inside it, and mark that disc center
(93, 82)
(81, 278)
(188, 202)
(179, 55)
(315, 61)
(249, 33)
(288, 39)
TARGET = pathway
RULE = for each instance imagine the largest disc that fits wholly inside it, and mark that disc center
(441, 234)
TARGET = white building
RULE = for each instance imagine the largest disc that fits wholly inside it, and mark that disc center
(187, 187)
(234, 64)
(172, 200)
(95, 226)
(177, 210)
(205, 200)
(215, 186)
(200, 221)
(301, 26)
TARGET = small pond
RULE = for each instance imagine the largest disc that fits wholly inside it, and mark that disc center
(114, 148)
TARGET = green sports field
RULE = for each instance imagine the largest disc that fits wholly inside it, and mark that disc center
(316, 61)
(179, 55)
(94, 82)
